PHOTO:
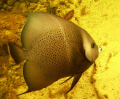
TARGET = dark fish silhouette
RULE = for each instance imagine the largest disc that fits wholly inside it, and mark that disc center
(54, 48)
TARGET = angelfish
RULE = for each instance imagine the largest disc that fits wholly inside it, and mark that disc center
(53, 48)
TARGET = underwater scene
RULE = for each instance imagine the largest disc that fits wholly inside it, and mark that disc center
(59, 49)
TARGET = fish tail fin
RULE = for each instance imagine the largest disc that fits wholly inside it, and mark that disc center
(16, 53)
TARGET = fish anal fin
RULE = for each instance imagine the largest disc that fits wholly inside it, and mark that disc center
(67, 79)
(16, 52)
(34, 76)
(75, 80)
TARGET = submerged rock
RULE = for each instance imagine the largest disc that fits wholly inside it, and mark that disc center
(33, 1)
(1, 3)
(32, 6)
(5, 6)
(9, 8)
(11, 2)
(22, 1)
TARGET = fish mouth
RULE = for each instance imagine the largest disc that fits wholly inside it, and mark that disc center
(99, 49)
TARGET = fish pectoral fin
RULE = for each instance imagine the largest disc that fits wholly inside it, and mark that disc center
(77, 58)
(67, 79)
(75, 80)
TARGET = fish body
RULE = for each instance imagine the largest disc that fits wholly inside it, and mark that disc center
(53, 48)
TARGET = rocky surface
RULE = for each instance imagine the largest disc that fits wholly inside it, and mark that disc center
(10, 74)
(99, 17)
(17, 5)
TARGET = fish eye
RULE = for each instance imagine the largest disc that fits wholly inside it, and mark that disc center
(92, 45)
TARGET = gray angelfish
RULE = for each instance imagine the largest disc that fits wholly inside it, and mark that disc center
(53, 48)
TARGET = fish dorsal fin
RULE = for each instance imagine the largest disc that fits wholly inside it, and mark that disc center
(42, 25)
(37, 26)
